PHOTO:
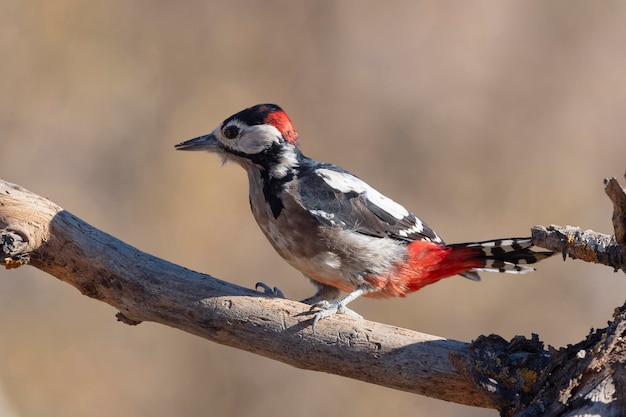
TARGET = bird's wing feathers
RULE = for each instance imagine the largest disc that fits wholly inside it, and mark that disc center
(336, 197)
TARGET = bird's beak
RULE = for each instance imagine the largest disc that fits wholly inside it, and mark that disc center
(203, 143)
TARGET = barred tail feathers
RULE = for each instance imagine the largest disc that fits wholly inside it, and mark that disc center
(430, 262)
(505, 255)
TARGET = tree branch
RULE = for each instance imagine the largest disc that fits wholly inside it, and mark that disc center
(588, 245)
(522, 379)
(35, 231)
(518, 378)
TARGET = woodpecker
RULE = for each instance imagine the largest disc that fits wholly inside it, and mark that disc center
(337, 230)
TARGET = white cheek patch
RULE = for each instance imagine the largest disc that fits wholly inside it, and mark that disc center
(255, 139)
(347, 183)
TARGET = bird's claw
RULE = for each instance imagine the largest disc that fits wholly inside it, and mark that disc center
(330, 308)
(267, 290)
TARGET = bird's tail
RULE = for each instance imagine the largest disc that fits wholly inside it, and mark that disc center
(430, 262)
(501, 255)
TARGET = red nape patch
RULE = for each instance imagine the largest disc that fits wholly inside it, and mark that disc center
(428, 263)
(282, 122)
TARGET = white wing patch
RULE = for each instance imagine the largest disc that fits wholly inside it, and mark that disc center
(418, 227)
(325, 215)
(347, 183)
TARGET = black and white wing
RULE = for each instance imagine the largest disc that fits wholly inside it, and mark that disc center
(338, 198)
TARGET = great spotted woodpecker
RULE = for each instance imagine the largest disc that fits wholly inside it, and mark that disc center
(337, 230)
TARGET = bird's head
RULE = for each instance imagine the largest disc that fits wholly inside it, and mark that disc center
(259, 136)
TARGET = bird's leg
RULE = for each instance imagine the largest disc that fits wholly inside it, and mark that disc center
(324, 292)
(329, 308)
(267, 290)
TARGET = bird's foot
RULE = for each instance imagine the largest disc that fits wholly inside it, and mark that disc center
(330, 308)
(267, 290)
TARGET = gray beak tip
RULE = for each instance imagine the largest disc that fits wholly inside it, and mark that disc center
(196, 144)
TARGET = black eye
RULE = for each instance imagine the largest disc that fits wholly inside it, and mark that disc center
(231, 132)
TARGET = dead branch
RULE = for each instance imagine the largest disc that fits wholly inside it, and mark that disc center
(522, 379)
(37, 232)
(587, 245)
(519, 377)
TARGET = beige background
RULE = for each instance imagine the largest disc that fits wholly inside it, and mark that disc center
(485, 118)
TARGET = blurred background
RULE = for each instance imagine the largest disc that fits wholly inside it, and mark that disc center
(485, 118)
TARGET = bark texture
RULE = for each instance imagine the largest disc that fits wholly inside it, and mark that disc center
(519, 377)
(37, 232)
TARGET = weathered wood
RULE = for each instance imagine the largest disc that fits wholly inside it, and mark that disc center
(587, 245)
(522, 379)
(519, 378)
(617, 194)
(34, 230)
